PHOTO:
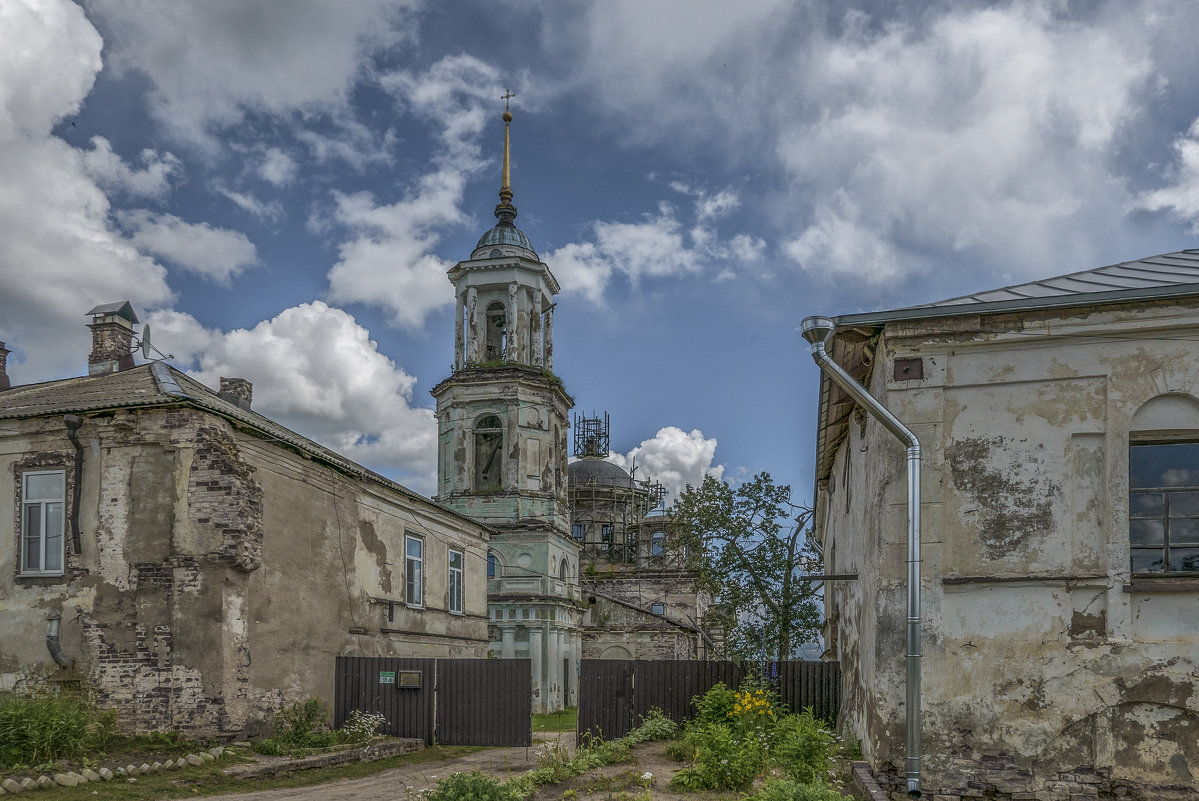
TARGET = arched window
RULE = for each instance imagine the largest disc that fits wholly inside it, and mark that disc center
(496, 331)
(657, 543)
(1163, 486)
(563, 571)
(493, 566)
(489, 453)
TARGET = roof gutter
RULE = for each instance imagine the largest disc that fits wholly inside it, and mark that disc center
(818, 331)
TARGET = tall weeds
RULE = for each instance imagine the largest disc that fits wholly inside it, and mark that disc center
(44, 727)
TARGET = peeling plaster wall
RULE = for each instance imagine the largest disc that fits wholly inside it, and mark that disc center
(219, 574)
(1043, 673)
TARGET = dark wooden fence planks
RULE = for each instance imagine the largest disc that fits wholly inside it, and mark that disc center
(484, 702)
(408, 711)
(614, 694)
(459, 701)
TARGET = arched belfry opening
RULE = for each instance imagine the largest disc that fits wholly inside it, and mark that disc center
(489, 453)
(497, 326)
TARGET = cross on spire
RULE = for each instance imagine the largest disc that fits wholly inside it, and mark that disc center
(509, 94)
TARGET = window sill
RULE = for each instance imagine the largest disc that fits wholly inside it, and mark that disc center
(42, 578)
(1159, 583)
(415, 607)
(457, 614)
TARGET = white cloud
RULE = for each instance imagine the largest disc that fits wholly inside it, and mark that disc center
(267, 210)
(277, 167)
(673, 457)
(317, 371)
(214, 253)
(59, 255)
(989, 136)
(1181, 196)
(211, 63)
(389, 260)
(656, 247)
(111, 172)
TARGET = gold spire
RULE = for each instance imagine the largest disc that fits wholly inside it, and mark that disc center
(505, 207)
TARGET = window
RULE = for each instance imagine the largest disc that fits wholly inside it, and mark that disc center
(579, 531)
(606, 536)
(414, 564)
(455, 582)
(42, 506)
(563, 571)
(658, 608)
(1163, 506)
(493, 566)
(657, 543)
(489, 453)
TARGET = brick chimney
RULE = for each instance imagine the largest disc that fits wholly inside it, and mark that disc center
(112, 338)
(4, 382)
(237, 391)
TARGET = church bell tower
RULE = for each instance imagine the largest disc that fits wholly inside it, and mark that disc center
(501, 459)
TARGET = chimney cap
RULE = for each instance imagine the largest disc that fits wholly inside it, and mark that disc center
(121, 308)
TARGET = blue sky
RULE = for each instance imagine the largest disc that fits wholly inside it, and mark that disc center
(280, 186)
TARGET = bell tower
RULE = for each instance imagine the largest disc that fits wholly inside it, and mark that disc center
(502, 418)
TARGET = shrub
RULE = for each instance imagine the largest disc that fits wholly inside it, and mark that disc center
(654, 726)
(48, 726)
(473, 786)
(722, 759)
(802, 747)
(716, 705)
(790, 790)
(299, 725)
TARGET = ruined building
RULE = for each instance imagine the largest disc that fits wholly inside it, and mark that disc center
(642, 601)
(1059, 426)
(196, 564)
(502, 420)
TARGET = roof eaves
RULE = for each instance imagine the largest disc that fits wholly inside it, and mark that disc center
(1022, 304)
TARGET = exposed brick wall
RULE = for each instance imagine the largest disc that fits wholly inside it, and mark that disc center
(223, 493)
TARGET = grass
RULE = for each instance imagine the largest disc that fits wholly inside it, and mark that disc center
(209, 779)
(564, 720)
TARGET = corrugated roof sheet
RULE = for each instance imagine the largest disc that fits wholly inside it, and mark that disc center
(1167, 275)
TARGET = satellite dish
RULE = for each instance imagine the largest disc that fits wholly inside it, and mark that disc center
(147, 347)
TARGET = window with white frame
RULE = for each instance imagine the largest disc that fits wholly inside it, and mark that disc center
(414, 566)
(455, 582)
(658, 543)
(43, 507)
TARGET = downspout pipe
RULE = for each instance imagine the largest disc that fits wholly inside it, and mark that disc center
(73, 423)
(818, 331)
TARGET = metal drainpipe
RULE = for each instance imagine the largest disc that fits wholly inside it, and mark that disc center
(73, 423)
(818, 331)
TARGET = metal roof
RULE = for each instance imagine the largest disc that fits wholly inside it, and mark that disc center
(1155, 277)
(122, 308)
(505, 233)
(159, 384)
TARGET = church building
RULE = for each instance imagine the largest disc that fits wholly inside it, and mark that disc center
(502, 458)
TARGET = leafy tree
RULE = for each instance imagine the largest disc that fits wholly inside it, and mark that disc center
(750, 545)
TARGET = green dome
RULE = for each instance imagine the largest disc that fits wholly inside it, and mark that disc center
(503, 237)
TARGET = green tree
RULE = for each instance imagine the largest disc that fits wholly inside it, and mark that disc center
(750, 545)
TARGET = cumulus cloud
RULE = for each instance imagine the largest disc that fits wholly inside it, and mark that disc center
(217, 254)
(987, 136)
(212, 63)
(1180, 197)
(59, 255)
(277, 167)
(111, 172)
(656, 247)
(317, 371)
(389, 259)
(673, 457)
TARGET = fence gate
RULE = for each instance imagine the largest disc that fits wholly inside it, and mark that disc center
(450, 701)
(614, 694)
